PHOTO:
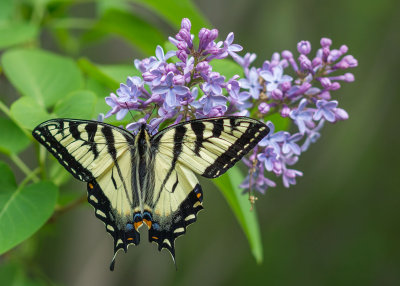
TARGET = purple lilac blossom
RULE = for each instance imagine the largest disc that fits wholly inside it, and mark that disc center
(183, 84)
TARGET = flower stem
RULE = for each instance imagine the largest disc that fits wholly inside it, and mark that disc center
(32, 176)
(24, 168)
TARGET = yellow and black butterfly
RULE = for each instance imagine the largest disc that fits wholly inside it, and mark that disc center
(143, 179)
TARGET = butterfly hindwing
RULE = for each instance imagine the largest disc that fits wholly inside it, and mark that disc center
(176, 200)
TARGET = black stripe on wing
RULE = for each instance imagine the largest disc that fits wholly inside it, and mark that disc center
(185, 215)
(57, 135)
(244, 144)
(42, 134)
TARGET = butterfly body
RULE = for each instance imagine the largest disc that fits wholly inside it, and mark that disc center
(136, 180)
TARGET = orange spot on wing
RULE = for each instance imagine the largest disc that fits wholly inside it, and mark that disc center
(154, 237)
(137, 224)
(148, 222)
(130, 238)
(91, 185)
(198, 195)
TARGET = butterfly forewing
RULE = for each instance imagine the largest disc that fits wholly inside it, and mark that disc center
(211, 146)
(85, 148)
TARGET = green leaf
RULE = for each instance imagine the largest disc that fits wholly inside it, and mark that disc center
(14, 34)
(174, 11)
(135, 30)
(119, 72)
(240, 205)
(29, 113)
(280, 123)
(94, 71)
(43, 76)
(79, 104)
(12, 139)
(227, 68)
(23, 210)
(6, 10)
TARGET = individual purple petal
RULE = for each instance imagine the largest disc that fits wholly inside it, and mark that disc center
(290, 145)
(246, 60)
(269, 158)
(170, 90)
(231, 48)
(214, 84)
(251, 83)
(312, 135)
(301, 115)
(273, 139)
(289, 177)
(340, 114)
(325, 109)
(274, 79)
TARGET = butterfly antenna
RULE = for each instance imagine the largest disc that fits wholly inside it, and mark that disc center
(133, 117)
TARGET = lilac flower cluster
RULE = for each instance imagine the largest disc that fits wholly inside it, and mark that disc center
(182, 85)
(174, 88)
(305, 99)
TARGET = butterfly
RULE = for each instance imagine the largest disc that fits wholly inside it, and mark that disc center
(136, 180)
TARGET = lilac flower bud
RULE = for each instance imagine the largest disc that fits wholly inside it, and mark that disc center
(277, 94)
(182, 46)
(213, 35)
(275, 59)
(326, 42)
(179, 80)
(285, 86)
(203, 67)
(203, 38)
(348, 77)
(334, 55)
(285, 111)
(171, 68)
(185, 36)
(344, 49)
(325, 53)
(316, 62)
(148, 76)
(325, 82)
(264, 107)
(284, 63)
(351, 61)
(304, 47)
(325, 95)
(182, 55)
(287, 55)
(340, 114)
(305, 63)
(185, 24)
(335, 86)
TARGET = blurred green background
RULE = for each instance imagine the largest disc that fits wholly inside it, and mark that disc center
(337, 226)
